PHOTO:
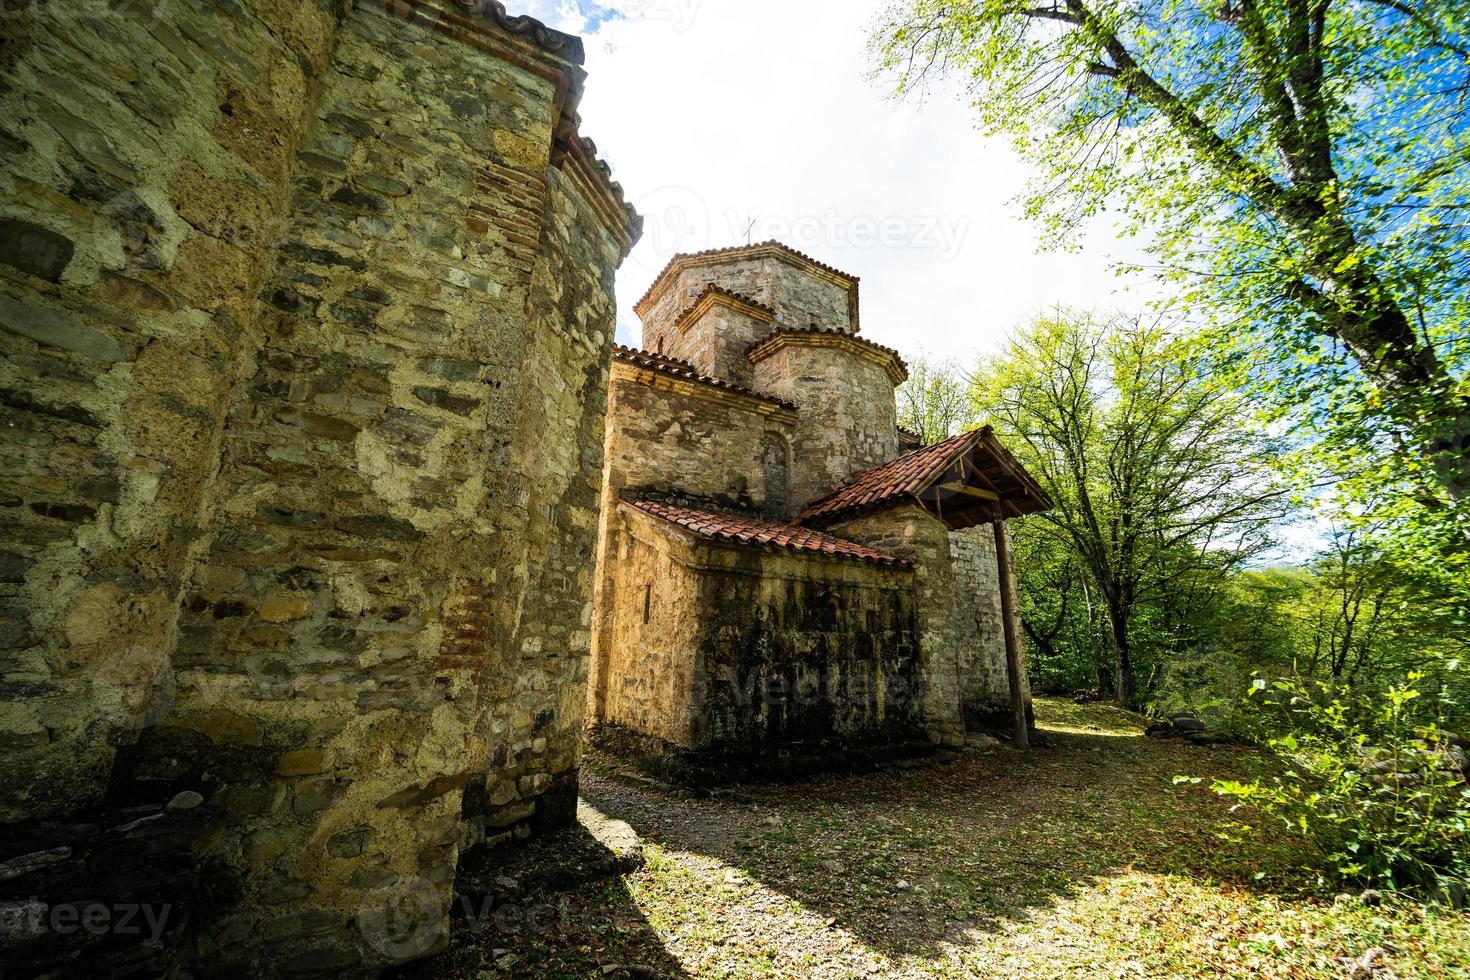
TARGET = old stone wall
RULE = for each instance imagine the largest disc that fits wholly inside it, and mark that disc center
(668, 437)
(653, 631)
(306, 365)
(760, 661)
(846, 412)
(531, 704)
(680, 440)
(911, 532)
(139, 211)
(716, 338)
(803, 293)
(979, 636)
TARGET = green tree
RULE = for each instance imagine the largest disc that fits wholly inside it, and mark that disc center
(1300, 166)
(1161, 487)
(934, 402)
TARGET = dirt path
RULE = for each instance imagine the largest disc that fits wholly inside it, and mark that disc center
(1078, 859)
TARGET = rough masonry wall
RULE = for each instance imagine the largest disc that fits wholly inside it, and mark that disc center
(533, 694)
(979, 636)
(754, 661)
(303, 532)
(675, 440)
(144, 175)
(846, 413)
(800, 295)
(911, 532)
(139, 210)
(810, 660)
(653, 623)
(716, 343)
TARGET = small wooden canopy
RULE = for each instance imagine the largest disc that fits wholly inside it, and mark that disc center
(963, 480)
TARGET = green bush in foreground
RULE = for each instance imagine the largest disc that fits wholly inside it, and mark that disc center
(1371, 784)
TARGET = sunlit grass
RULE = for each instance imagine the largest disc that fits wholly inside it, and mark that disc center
(1080, 860)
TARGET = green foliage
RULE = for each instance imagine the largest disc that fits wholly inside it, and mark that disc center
(1161, 484)
(1301, 172)
(934, 403)
(1370, 783)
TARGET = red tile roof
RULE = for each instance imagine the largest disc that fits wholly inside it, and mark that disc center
(901, 477)
(676, 368)
(741, 529)
(989, 467)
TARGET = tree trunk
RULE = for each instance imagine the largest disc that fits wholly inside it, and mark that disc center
(1125, 689)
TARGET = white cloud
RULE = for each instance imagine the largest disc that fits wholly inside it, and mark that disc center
(714, 113)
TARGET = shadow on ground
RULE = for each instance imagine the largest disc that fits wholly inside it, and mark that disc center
(903, 863)
(909, 860)
(592, 930)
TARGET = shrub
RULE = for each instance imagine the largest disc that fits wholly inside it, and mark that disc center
(1371, 784)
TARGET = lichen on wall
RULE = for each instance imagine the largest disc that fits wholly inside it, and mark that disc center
(910, 532)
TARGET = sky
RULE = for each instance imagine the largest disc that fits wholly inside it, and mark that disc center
(717, 113)
(735, 120)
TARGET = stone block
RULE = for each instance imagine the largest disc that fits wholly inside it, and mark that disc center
(281, 608)
(300, 762)
(34, 250)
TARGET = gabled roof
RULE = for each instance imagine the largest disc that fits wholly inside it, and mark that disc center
(676, 368)
(961, 480)
(741, 529)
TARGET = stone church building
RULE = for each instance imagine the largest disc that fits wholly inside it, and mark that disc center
(785, 580)
(328, 507)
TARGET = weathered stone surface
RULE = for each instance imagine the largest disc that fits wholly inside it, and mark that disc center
(304, 372)
(692, 633)
(34, 250)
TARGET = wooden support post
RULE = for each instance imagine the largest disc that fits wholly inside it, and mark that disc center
(1020, 734)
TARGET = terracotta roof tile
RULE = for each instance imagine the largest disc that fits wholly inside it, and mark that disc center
(913, 472)
(566, 46)
(904, 476)
(674, 367)
(742, 529)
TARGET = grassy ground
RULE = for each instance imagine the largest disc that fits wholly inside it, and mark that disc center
(1078, 859)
